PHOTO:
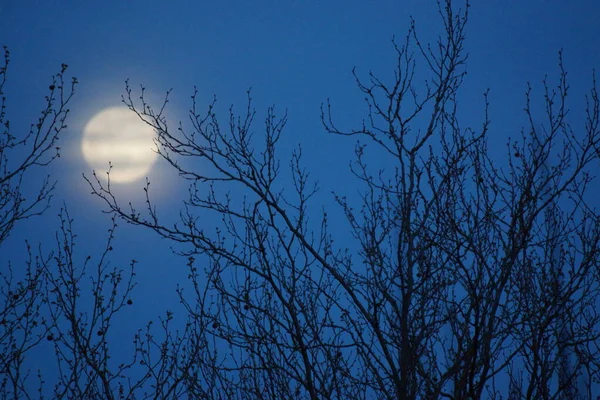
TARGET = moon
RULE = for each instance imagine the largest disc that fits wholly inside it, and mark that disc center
(117, 135)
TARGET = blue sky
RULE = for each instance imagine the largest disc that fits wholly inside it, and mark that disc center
(293, 54)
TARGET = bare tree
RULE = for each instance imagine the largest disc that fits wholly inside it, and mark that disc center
(22, 326)
(84, 297)
(20, 154)
(465, 278)
(451, 285)
(69, 301)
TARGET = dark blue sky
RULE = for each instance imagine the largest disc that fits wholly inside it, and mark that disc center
(294, 54)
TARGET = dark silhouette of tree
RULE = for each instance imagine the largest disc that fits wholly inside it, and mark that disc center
(22, 326)
(19, 154)
(464, 278)
(450, 286)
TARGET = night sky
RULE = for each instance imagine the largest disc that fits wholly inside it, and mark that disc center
(292, 54)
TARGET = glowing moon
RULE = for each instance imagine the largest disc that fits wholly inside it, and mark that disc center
(117, 135)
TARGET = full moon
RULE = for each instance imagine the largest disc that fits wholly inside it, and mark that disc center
(117, 135)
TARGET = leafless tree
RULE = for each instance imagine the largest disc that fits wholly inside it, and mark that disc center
(22, 326)
(463, 274)
(68, 301)
(84, 298)
(464, 278)
(20, 154)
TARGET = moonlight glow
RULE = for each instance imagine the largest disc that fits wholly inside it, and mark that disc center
(117, 135)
